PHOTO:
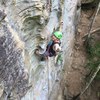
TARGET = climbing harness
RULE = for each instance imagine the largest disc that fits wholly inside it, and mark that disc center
(50, 50)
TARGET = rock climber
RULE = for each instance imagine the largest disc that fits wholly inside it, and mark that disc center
(53, 47)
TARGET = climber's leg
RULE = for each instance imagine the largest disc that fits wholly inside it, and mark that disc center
(43, 56)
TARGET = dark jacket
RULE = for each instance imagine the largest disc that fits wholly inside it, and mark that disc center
(49, 50)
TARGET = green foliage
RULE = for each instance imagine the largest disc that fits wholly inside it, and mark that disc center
(93, 49)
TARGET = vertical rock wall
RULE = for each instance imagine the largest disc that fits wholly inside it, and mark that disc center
(70, 18)
(13, 76)
(29, 18)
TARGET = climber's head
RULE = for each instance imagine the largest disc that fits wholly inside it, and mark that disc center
(57, 35)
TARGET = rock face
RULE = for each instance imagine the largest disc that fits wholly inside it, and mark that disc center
(27, 26)
(13, 77)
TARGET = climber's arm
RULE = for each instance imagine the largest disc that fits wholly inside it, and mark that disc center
(56, 48)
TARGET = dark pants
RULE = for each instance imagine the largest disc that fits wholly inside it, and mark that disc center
(50, 54)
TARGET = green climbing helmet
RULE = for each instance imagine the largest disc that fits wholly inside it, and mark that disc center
(58, 34)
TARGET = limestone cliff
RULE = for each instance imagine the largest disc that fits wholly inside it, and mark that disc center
(24, 26)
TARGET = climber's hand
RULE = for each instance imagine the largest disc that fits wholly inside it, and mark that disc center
(56, 48)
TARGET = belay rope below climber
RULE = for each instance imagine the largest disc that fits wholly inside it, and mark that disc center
(48, 76)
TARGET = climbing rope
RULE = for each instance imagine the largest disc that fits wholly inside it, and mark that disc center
(48, 79)
(48, 64)
(48, 39)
